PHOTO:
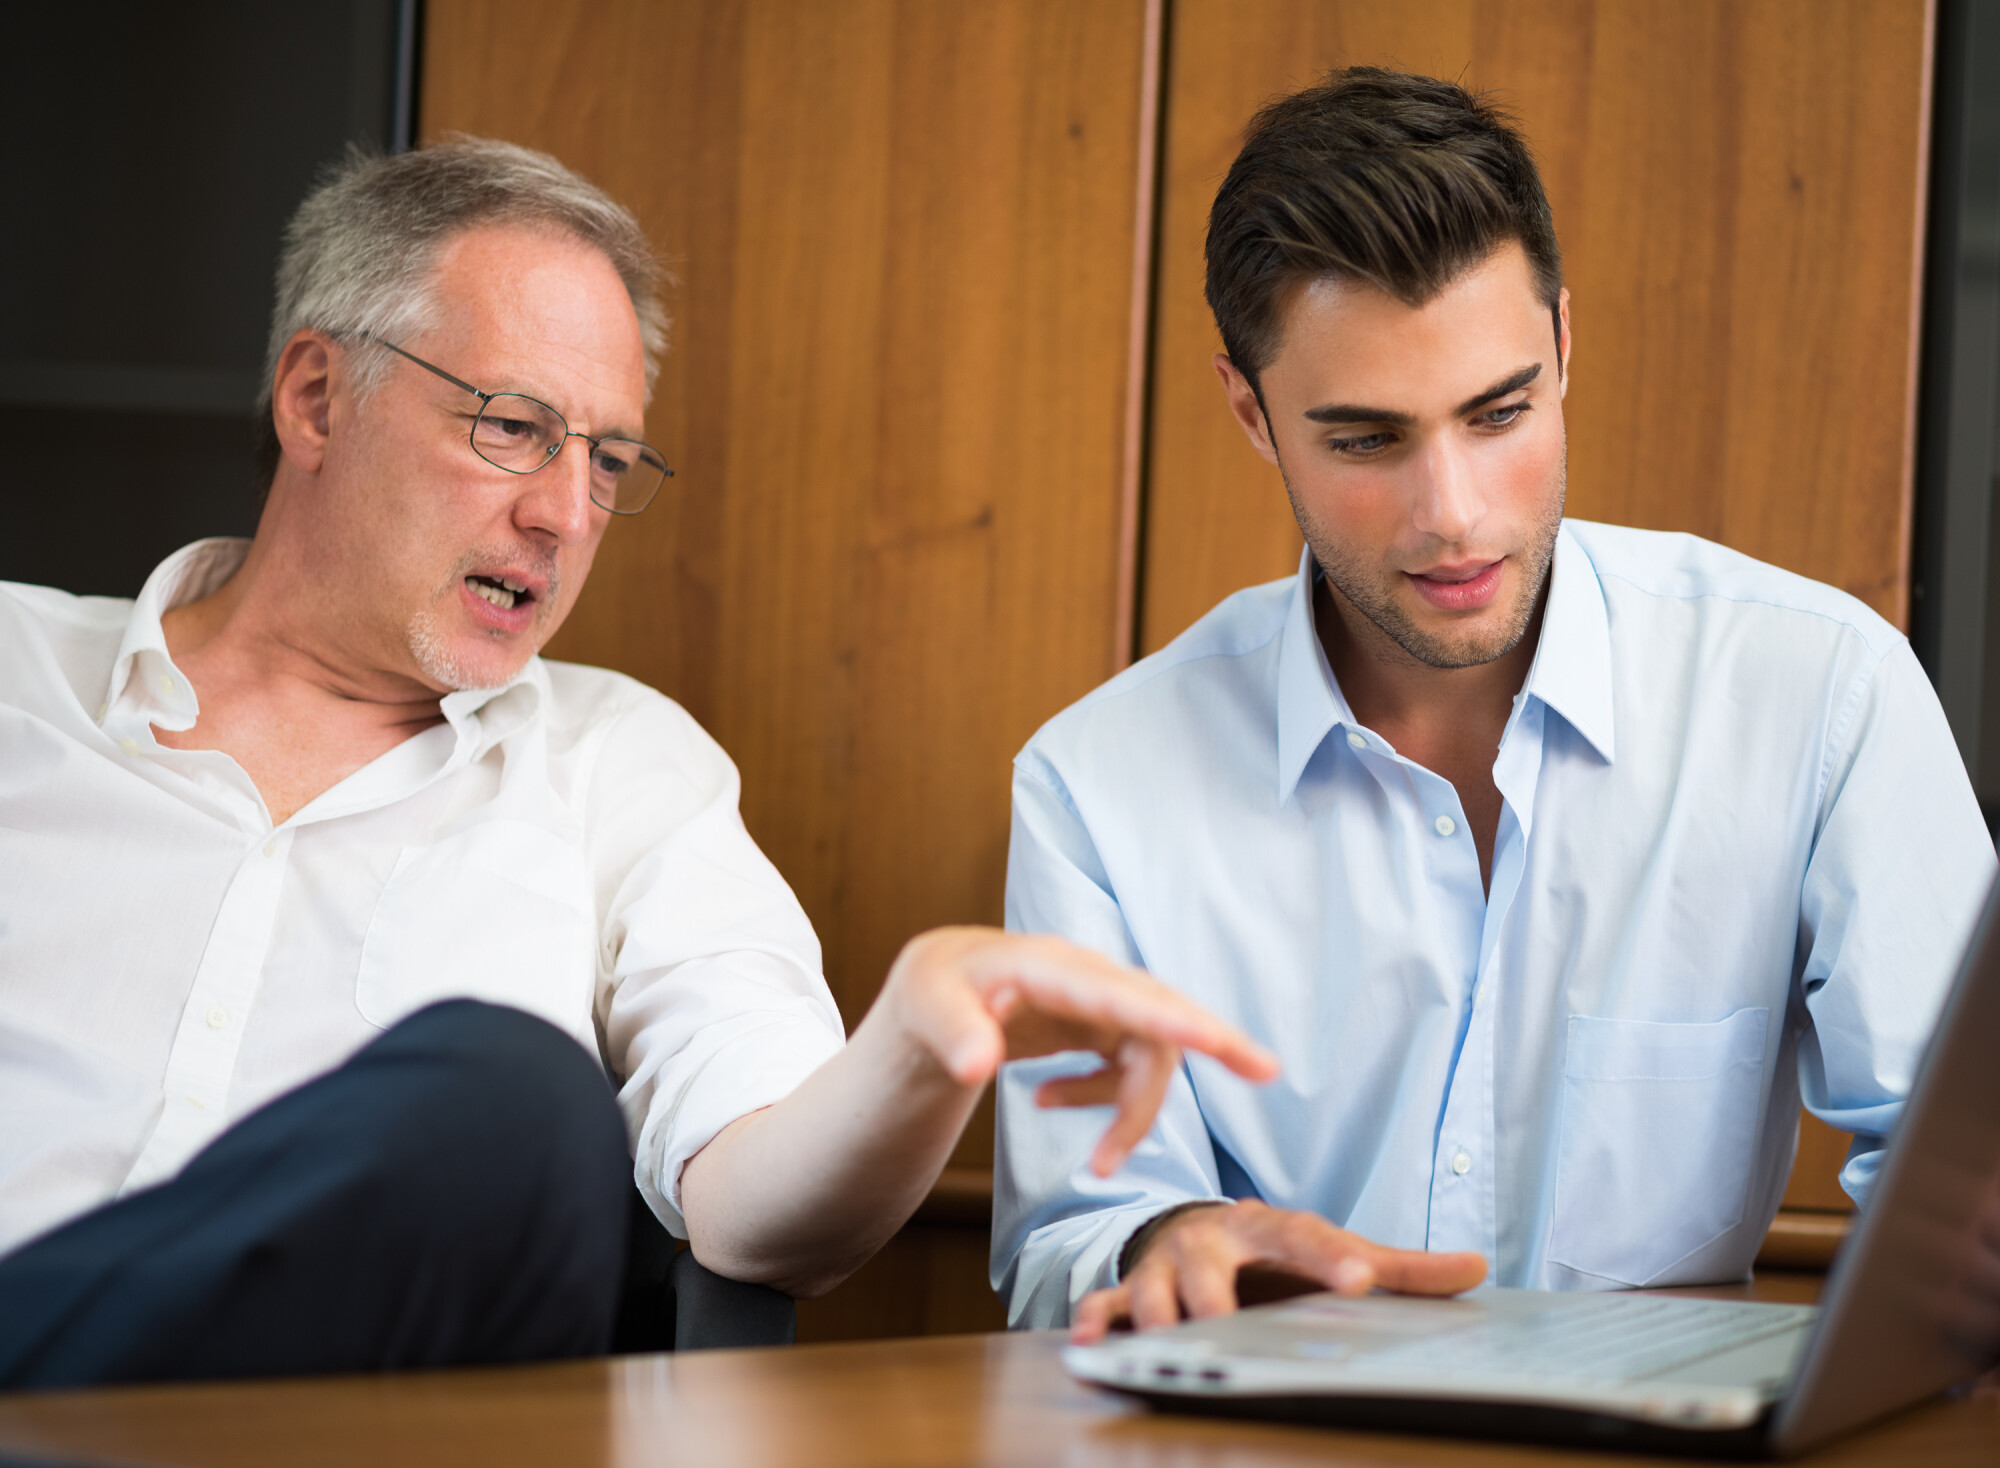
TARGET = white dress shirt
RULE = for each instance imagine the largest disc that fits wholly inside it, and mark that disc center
(1737, 861)
(169, 960)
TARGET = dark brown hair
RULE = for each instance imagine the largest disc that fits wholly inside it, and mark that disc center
(1403, 182)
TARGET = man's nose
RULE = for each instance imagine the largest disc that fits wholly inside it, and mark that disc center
(558, 494)
(1448, 504)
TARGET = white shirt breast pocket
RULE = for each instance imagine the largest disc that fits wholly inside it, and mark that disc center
(1659, 1125)
(501, 912)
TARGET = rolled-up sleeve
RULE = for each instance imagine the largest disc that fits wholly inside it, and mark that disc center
(1900, 866)
(1058, 1229)
(710, 1000)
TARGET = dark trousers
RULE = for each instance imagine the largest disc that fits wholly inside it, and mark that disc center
(456, 1193)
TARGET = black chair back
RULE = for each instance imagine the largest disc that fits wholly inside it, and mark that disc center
(672, 1303)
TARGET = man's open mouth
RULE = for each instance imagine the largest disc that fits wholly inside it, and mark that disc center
(499, 590)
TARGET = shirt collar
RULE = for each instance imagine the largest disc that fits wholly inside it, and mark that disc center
(1572, 668)
(1571, 672)
(147, 689)
(483, 717)
(1310, 703)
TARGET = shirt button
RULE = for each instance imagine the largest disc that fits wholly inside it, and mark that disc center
(271, 847)
(218, 1019)
(1462, 1163)
(165, 685)
(1355, 741)
(103, 709)
(1446, 825)
(129, 744)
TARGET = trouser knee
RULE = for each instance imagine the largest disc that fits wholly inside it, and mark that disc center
(455, 1193)
(505, 1113)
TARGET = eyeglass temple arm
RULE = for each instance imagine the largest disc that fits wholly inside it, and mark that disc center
(439, 371)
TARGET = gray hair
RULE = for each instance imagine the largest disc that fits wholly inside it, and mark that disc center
(359, 255)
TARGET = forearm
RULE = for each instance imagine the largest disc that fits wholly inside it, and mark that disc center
(800, 1194)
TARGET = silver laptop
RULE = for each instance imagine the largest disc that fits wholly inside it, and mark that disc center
(1912, 1308)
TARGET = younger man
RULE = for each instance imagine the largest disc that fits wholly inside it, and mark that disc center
(1555, 860)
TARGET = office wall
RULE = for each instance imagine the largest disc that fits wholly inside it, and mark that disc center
(1738, 190)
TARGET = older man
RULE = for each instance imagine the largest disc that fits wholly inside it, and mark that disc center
(325, 904)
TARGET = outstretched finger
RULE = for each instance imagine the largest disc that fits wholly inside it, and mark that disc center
(1413, 1272)
(1144, 1070)
(1302, 1244)
(1088, 988)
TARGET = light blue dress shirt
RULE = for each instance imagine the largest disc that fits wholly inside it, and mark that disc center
(1737, 862)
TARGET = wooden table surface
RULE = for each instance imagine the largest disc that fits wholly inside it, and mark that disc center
(934, 1402)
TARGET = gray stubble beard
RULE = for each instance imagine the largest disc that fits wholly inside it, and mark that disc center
(433, 653)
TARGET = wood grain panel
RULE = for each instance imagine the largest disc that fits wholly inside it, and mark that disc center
(930, 1279)
(904, 236)
(1737, 186)
(1815, 1185)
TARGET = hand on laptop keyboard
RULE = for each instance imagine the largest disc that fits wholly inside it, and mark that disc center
(1188, 1267)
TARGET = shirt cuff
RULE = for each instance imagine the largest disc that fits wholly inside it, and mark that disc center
(753, 1070)
(1143, 1234)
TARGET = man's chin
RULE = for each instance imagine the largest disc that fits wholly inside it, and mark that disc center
(1439, 639)
(1463, 646)
(466, 663)
(1448, 658)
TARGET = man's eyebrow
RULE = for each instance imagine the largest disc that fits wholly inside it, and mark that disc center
(1357, 413)
(1511, 383)
(1354, 413)
(535, 393)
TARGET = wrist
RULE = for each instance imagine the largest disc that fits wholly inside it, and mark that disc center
(1152, 1228)
(901, 1053)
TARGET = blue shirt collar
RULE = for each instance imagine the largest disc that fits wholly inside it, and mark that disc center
(1571, 672)
(1572, 668)
(1310, 703)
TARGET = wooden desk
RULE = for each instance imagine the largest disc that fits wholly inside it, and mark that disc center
(927, 1403)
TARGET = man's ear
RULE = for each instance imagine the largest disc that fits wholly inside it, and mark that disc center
(301, 394)
(1248, 408)
(1562, 339)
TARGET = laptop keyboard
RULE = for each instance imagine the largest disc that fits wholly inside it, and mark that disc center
(1627, 1338)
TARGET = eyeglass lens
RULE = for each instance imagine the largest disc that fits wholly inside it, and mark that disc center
(521, 434)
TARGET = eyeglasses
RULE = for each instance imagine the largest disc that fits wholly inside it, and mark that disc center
(522, 434)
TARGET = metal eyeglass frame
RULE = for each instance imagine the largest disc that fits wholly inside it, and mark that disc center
(486, 399)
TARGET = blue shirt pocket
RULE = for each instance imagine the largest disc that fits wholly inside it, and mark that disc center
(1659, 1125)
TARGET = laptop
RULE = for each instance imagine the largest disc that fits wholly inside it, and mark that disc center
(1911, 1308)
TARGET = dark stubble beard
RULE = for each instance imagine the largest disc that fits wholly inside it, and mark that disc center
(1371, 591)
